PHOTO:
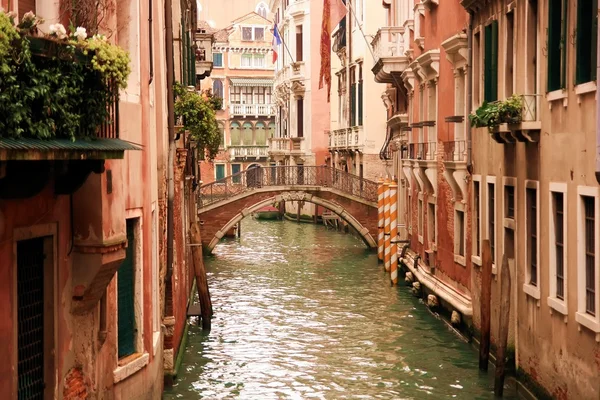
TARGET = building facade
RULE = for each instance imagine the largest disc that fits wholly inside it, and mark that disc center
(535, 182)
(358, 128)
(513, 181)
(243, 79)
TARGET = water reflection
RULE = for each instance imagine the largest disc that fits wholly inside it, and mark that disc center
(302, 312)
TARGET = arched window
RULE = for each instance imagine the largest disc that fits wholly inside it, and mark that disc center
(271, 131)
(260, 134)
(235, 134)
(247, 133)
(262, 10)
(222, 133)
(218, 88)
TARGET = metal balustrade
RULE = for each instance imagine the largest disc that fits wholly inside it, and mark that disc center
(286, 176)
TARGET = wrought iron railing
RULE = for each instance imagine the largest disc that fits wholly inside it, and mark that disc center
(260, 177)
(422, 151)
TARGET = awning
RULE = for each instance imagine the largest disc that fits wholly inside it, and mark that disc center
(63, 149)
(251, 82)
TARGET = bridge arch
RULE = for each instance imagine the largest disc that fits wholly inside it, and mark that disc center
(296, 196)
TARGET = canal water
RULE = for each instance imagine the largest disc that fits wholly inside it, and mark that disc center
(302, 312)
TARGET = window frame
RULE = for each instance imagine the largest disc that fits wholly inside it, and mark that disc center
(584, 319)
(557, 59)
(459, 208)
(215, 54)
(529, 288)
(476, 223)
(420, 217)
(582, 77)
(491, 180)
(554, 302)
(222, 165)
(490, 92)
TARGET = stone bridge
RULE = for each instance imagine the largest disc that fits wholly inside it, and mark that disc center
(223, 203)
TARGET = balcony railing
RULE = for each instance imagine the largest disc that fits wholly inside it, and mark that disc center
(529, 113)
(422, 151)
(258, 110)
(455, 150)
(389, 42)
(346, 138)
(280, 145)
(248, 151)
(339, 37)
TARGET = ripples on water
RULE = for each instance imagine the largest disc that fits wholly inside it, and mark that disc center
(302, 312)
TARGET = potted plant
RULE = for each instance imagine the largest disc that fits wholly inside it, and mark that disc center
(492, 114)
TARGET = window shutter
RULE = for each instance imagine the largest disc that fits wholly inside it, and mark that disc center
(594, 37)
(494, 62)
(487, 73)
(299, 51)
(553, 44)
(353, 104)
(360, 103)
(220, 171)
(300, 106)
(125, 288)
(563, 47)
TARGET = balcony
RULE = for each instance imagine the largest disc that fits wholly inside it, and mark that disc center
(252, 110)
(388, 46)
(248, 152)
(204, 58)
(346, 139)
(528, 130)
(424, 165)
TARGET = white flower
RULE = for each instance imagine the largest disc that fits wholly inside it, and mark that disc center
(80, 34)
(28, 16)
(58, 30)
(99, 36)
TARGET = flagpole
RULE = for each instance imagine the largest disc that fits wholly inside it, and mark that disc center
(284, 44)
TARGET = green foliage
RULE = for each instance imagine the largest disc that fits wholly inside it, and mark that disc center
(197, 113)
(59, 86)
(492, 114)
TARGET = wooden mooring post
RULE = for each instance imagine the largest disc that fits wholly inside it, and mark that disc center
(486, 305)
(503, 324)
(206, 310)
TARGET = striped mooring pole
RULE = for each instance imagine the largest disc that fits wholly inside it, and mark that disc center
(386, 225)
(394, 232)
(380, 190)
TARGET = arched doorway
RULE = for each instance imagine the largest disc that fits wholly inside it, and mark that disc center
(254, 175)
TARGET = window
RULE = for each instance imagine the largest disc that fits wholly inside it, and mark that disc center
(235, 134)
(557, 246)
(476, 68)
(459, 233)
(260, 95)
(262, 10)
(587, 31)
(25, 6)
(247, 33)
(246, 60)
(360, 94)
(126, 287)
(491, 211)
(222, 133)
(491, 62)
(431, 232)
(556, 45)
(590, 253)
(476, 217)
(532, 234)
(299, 51)
(217, 60)
(509, 64)
(588, 266)
(420, 222)
(509, 196)
(260, 134)
(235, 169)
(219, 171)
(353, 96)
(235, 94)
(259, 60)
(300, 116)
(250, 34)
(218, 88)
(247, 134)
(247, 95)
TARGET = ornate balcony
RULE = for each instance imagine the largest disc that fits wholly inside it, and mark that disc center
(455, 168)
(388, 46)
(204, 58)
(349, 139)
(252, 110)
(248, 152)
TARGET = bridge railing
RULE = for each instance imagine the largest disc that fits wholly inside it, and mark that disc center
(254, 178)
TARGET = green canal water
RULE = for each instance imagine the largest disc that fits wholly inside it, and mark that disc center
(302, 312)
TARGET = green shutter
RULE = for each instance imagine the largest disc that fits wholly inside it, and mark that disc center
(220, 171)
(553, 45)
(494, 66)
(563, 47)
(487, 63)
(587, 17)
(353, 104)
(360, 103)
(235, 136)
(594, 44)
(126, 290)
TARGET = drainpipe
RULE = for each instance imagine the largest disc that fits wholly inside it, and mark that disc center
(171, 132)
(598, 113)
(469, 91)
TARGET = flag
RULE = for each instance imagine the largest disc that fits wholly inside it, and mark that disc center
(276, 42)
(333, 12)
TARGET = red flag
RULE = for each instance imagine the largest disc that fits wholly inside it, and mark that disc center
(333, 12)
